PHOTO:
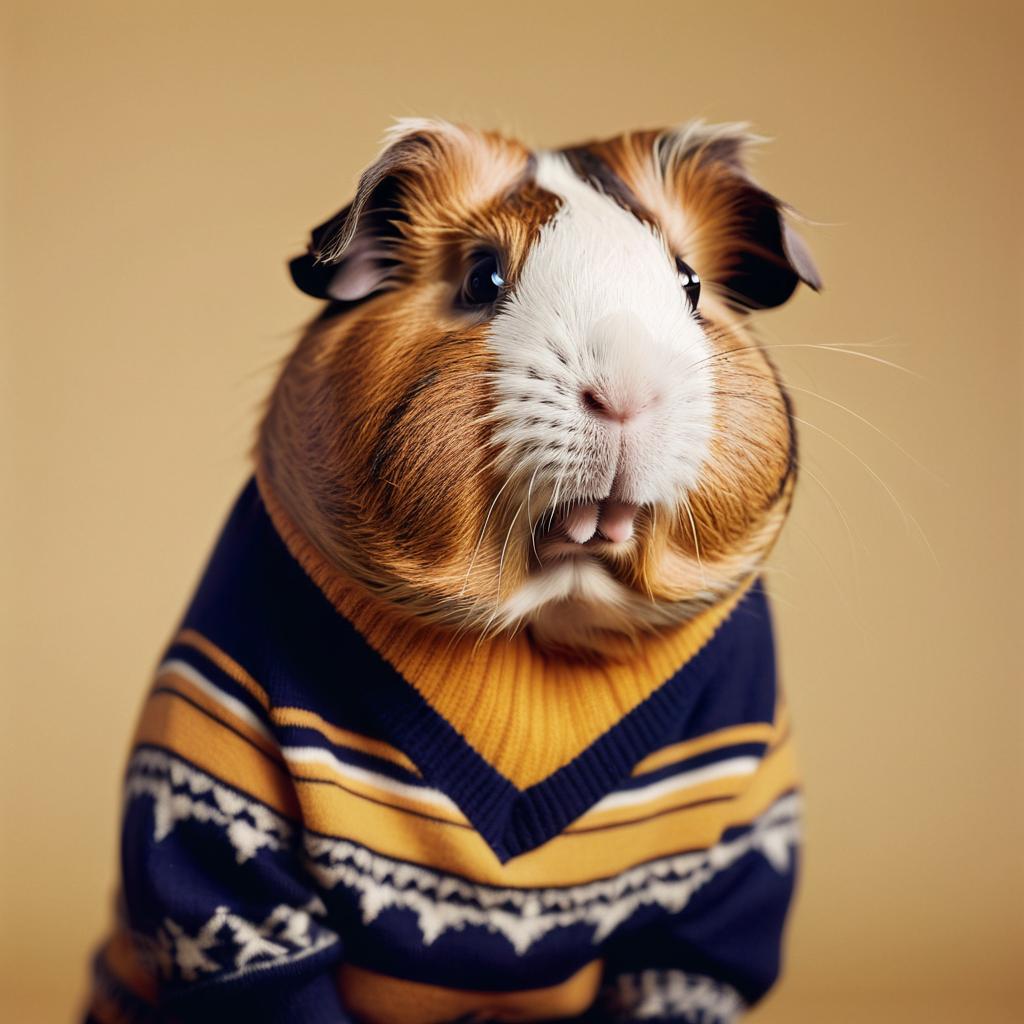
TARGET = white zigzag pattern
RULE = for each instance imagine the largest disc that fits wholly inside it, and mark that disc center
(227, 944)
(523, 916)
(673, 995)
(183, 793)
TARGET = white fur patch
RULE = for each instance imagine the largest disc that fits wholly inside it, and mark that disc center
(598, 309)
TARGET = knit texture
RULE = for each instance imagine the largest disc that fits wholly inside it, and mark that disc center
(334, 814)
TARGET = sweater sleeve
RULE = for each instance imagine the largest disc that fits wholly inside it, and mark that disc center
(220, 910)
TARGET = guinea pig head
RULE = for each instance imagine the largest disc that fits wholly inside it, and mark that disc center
(533, 397)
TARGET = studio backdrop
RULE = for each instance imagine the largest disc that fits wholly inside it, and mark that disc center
(162, 161)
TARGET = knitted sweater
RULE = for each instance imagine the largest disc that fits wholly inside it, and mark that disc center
(332, 815)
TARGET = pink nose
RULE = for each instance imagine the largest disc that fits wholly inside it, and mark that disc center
(619, 408)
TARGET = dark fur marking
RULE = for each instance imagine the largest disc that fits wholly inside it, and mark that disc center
(588, 166)
(384, 449)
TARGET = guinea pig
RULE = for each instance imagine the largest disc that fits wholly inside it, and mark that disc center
(551, 414)
(474, 714)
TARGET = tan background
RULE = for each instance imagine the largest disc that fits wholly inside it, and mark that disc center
(161, 160)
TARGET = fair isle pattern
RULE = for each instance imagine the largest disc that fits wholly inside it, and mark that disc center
(524, 916)
(182, 793)
(671, 995)
(229, 946)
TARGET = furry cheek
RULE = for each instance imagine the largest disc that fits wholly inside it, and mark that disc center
(734, 514)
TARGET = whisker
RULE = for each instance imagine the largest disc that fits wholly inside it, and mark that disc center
(501, 565)
(483, 528)
(757, 346)
(557, 495)
(888, 490)
(868, 423)
(654, 530)
(696, 543)
(529, 514)
(803, 468)
(851, 609)
(924, 537)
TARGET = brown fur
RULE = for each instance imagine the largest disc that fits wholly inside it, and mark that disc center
(375, 440)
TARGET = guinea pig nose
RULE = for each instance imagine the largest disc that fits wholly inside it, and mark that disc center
(620, 408)
(593, 402)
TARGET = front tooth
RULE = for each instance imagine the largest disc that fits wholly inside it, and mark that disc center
(580, 522)
(617, 520)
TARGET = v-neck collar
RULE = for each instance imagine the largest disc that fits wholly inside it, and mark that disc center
(514, 821)
(426, 690)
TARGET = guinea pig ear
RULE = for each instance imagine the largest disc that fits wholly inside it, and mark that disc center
(353, 254)
(771, 259)
(756, 257)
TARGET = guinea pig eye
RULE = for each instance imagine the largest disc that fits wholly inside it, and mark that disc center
(690, 280)
(483, 282)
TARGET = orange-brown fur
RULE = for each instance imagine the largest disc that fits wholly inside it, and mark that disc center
(375, 441)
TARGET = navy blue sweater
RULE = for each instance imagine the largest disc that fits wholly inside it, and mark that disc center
(330, 817)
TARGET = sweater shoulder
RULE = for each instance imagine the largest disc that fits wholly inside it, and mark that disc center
(257, 618)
